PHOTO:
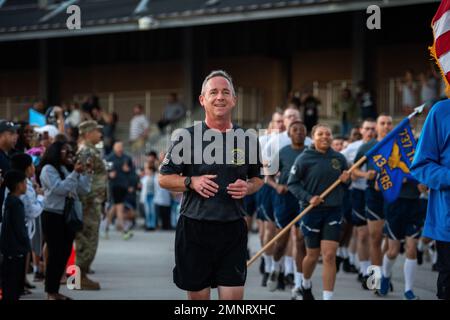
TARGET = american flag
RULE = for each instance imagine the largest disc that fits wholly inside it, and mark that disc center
(441, 47)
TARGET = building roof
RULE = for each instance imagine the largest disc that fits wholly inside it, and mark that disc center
(24, 19)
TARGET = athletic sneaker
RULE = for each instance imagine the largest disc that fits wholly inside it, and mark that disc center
(265, 278)
(289, 280)
(127, 235)
(348, 267)
(364, 282)
(272, 282)
(409, 295)
(307, 294)
(296, 293)
(360, 277)
(384, 287)
(281, 284)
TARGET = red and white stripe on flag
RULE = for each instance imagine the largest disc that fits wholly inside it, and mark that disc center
(441, 47)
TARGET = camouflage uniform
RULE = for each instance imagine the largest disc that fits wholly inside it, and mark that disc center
(87, 239)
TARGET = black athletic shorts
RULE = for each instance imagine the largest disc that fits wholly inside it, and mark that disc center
(210, 254)
(118, 194)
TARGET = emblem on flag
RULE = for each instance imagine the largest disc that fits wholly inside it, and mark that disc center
(392, 158)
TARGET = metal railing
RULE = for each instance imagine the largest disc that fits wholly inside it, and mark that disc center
(248, 112)
(15, 108)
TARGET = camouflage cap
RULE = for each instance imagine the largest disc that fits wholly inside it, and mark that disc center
(88, 126)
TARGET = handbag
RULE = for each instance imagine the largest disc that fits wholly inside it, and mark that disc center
(73, 214)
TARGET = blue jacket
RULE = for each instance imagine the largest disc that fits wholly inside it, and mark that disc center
(431, 166)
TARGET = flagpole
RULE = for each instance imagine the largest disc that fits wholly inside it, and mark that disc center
(417, 111)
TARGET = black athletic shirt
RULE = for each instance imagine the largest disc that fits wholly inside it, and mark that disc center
(241, 165)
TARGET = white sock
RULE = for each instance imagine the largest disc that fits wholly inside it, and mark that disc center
(363, 266)
(103, 225)
(351, 258)
(357, 263)
(306, 283)
(327, 295)
(288, 265)
(268, 261)
(409, 270)
(127, 225)
(298, 276)
(344, 252)
(35, 269)
(276, 266)
(387, 266)
(434, 257)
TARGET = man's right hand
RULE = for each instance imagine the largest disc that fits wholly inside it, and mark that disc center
(205, 186)
(371, 174)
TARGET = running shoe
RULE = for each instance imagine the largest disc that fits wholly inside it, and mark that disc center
(128, 235)
(409, 295)
(281, 284)
(364, 280)
(289, 280)
(296, 293)
(348, 267)
(272, 282)
(307, 294)
(384, 286)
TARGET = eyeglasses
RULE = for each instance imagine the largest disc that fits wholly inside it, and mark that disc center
(373, 129)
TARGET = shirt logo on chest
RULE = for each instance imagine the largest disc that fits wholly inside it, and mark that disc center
(335, 164)
(237, 157)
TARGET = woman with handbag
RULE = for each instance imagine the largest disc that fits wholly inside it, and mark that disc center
(60, 183)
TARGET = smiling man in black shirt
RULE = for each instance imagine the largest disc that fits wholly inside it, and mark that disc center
(211, 238)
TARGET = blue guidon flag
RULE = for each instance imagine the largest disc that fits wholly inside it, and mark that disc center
(392, 158)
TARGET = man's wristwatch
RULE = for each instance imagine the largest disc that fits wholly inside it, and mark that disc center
(187, 182)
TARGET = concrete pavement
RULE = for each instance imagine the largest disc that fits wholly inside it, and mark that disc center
(141, 269)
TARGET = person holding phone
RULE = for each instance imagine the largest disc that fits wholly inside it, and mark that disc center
(87, 239)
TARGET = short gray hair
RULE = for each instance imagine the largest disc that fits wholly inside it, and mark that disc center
(218, 73)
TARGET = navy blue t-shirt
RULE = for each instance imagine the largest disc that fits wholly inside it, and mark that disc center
(240, 165)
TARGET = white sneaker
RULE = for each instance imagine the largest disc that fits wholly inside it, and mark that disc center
(272, 283)
(296, 293)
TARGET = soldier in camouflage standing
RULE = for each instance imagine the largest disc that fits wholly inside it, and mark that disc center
(87, 239)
